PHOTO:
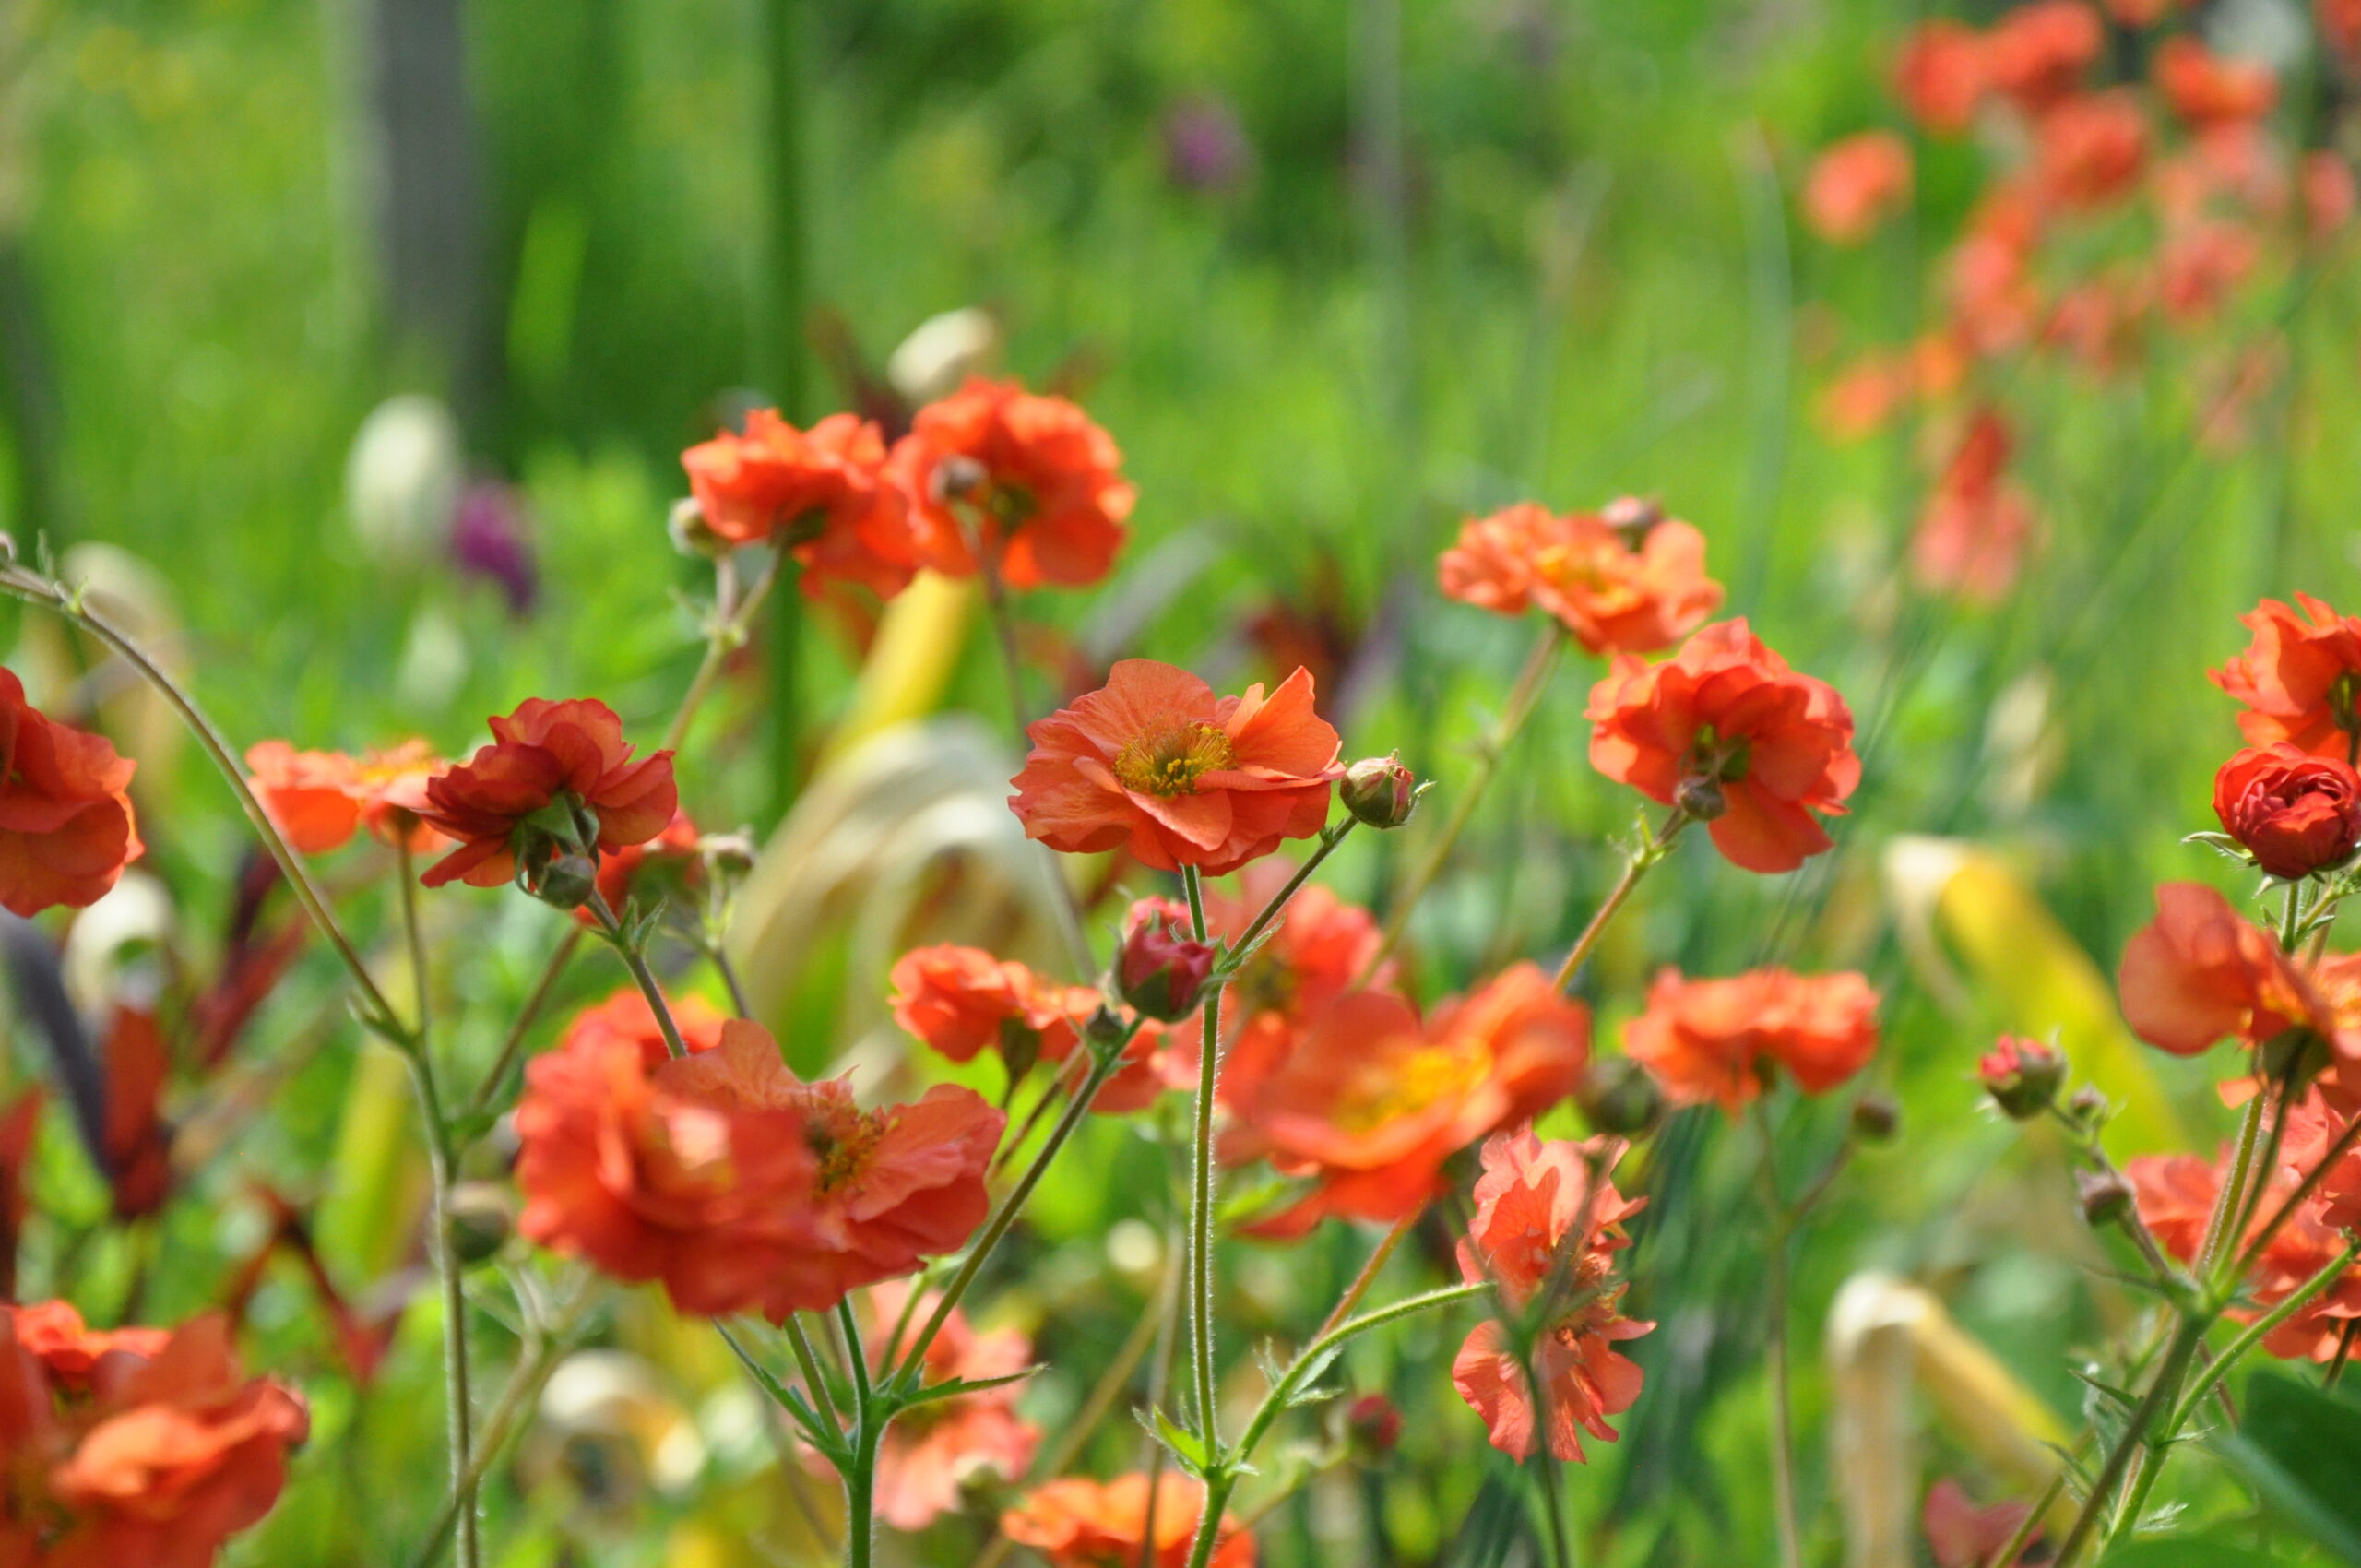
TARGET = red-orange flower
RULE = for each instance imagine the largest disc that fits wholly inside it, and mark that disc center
(153, 1449)
(1082, 1524)
(930, 1452)
(1618, 589)
(2297, 677)
(1153, 760)
(320, 799)
(544, 753)
(673, 851)
(1939, 74)
(962, 1001)
(823, 490)
(1035, 481)
(2206, 90)
(1972, 539)
(1313, 955)
(2198, 972)
(1710, 1040)
(1856, 184)
(1372, 1102)
(2036, 54)
(2295, 812)
(66, 824)
(1543, 1210)
(1729, 714)
(2090, 149)
(626, 1016)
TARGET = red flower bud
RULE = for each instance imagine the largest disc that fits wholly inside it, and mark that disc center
(1380, 792)
(2294, 812)
(2021, 1076)
(1162, 970)
(1373, 1426)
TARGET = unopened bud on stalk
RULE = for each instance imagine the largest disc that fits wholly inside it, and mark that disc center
(1162, 970)
(2021, 1076)
(556, 873)
(1876, 1117)
(1633, 517)
(691, 534)
(1700, 797)
(2086, 1105)
(2106, 1197)
(1616, 1097)
(1373, 1426)
(1380, 792)
(478, 1219)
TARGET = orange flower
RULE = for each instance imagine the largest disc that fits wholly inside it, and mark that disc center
(823, 491)
(1313, 957)
(542, 753)
(1972, 539)
(1728, 716)
(1040, 486)
(675, 849)
(154, 1452)
(320, 799)
(1995, 306)
(1710, 1040)
(1541, 1213)
(1153, 760)
(1856, 184)
(1939, 74)
(2295, 812)
(54, 1334)
(2036, 54)
(2198, 972)
(1371, 1101)
(65, 824)
(626, 1017)
(2297, 678)
(698, 1172)
(962, 1001)
(2205, 90)
(1081, 1524)
(2199, 265)
(1618, 589)
(930, 1452)
(2090, 150)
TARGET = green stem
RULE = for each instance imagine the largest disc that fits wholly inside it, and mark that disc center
(636, 962)
(2014, 1547)
(1329, 838)
(514, 1046)
(2162, 1393)
(1782, 1414)
(1200, 1191)
(1634, 868)
(2295, 1200)
(2231, 1198)
(731, 623)
(2254, 1333)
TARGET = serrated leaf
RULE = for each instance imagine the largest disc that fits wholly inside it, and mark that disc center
(1316, 1394)
(1186, 1451)
(2122, 1397)
(954, 1387)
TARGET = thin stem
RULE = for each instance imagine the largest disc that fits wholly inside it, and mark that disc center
(2161, 1393)
(1531, 682)
(2295, 1200)
(2254, 1332)
(725, 635)
(514, 1046)
(2227, 1203)
(1329, 838)
(459, 1418)
(869, 1424)
(1370, 1269)
(2014, 1547)
(807, 1362)
(1782, 1414)
(1200, 1191)
(636, 962)
(1562, 1550)
(1634, 868)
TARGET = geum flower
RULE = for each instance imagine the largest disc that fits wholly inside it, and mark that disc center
(1371, 1101)
(67, 829)
(1939, 74)
(822, 494)
(511, 808)
(1028, 478)
(1713, 1039)
(736, 1183)
(1549, 1223)
(962, 1001)
(1972, 539)
(1856, 184)
(1075, 1522)
(625, 1015)
(1315, 955)
(2297, 813)
(2198, 972)
(320, 800)
(1629, 580)
(670, 860)
(1727, 731)
(2297, 677)
(1153, 761)
(932, 1452)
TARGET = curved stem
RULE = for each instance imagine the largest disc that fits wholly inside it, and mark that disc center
(727, 634)
(636, 962)
(2227, 1203)
(1329, 838)
(1370, 1269)
(2295, 1200)
(1200, 1191)
(2014, 1547)
(1634, 868)
(2254, 1333)
(1531, 682)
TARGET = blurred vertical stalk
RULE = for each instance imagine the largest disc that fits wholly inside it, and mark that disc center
(1379, 139)
(1770, 289)
(28, 403)
(782, 303)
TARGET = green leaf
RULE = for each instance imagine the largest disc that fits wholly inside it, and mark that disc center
(2299, 1447)
(957, 1386)
(1182, 1445)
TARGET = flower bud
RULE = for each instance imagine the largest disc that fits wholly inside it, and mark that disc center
(478, 1219)
(2295, 814)
(691, 535)
(1633, 517)
(1876, 1117)
(1373, 1426)
(1161, 971)
(1700, 797)
(2086, 1106)
(2106, 1195)
(555, 873)
(2021, 1076)
(1380, 792)
(1618, 1097)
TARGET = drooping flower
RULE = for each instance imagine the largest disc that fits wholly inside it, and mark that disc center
(1085, 1523)
(1155, 762)
(545, 753)
(320, 800)
(1727, 714)
(932, 1452)
(626, 1016)
(1160, 970)
(1548, 1218)
(2297, 677)
(2205, 90)
(2295, 812)
(1632, 588)
(2021, 1076)
(2036, 55)
(67, 829)
(1710, 1040)
(1372, 1100)
(1032, 478)
(2198, 972)
(822, 491)
(1940, 76)
(1856, 184)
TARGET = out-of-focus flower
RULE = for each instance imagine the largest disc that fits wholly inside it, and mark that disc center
(1963, 1534)
(2205, 90)
(2297, 678)
(1710, 1040)
(403, 476)
(1155, 762)
(930, 1452)
(2200, 263)
(1728, 710)
(2329, 196)
(1614, 592)
(2097, 323)
(492, 537)
(1537, 1204)
(1204, 147)
(1372, 1102)
(543, 754)
(1161, 970)
(626, 1017)
(136, 1446)
(2090, 149)
(942, 353)
(961, 1000)
(1856, 184)
(137, 1140)
(1313, 957)
(1372, 1428)
(320, 799)
(18, 1124)
(1994, 305)
(2295, 812)
(2036, 54)
(65, 822)
(2021, 1076)
(1940, 74)
(2198, 972)
(1084, 1524)
(822, 492)
(1040, 486)
(1972, 539)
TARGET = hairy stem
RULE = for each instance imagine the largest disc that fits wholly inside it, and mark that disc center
(1200, 1191)
(1634, 868)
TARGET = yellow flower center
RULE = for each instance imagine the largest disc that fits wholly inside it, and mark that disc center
(1408, 1084)
(1602, 570)
(844, 1147)
(1166, 761)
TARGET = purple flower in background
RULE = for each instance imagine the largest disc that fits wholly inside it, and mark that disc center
(490, 537)
(1204, 147)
